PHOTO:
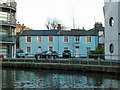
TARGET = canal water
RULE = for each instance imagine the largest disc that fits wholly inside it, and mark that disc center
(36, 78)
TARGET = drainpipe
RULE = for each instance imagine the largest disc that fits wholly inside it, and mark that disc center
(58, 33)
(73, 45)
(58, 44)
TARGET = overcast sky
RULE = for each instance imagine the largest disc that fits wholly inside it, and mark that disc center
(34, 13)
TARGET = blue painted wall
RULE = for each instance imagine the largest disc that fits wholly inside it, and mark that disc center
(58, 44)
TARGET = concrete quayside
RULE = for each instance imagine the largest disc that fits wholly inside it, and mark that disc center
(73, 65)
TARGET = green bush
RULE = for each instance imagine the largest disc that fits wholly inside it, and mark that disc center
(98, 51)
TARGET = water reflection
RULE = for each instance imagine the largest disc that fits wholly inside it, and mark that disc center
(19, 78)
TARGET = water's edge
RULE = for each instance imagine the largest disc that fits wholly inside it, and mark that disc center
(72, 67)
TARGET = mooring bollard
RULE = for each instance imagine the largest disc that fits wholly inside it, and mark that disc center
(87, 59)
(41, 58)
(111, 60)
(33, 60)
(98, 59)
(16, 59)
(69, 61)
(55, 57)
(24, 59)
(52, 57)
(79, 61)
(59, 61)
(9, 59)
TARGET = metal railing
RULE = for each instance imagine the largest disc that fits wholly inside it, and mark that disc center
(8, 4)
(12, 22)
(8, 39)
(86, 59)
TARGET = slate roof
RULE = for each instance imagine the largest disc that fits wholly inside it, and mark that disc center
(55, 33)
(98, 28)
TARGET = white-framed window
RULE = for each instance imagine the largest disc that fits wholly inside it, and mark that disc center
(28, 49)
(50, 48)
(65, 39)
(65, 48)
(28, 39)
(88, 39)
(100, 33)
(39, 39)
(50, 38)
(77, 39)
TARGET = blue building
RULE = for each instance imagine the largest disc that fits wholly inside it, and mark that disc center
(79, 42)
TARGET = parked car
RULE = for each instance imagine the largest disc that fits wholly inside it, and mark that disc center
(54, 54)
(43, 54)
(66, 53)
(20, 53)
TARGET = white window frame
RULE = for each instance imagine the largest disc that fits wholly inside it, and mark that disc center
(64, 39)
(52, 48)
(87, 37)
(75, 39)
(26, 39)
(49, 41)
(38, 39)
(100, 33)
(27, 49)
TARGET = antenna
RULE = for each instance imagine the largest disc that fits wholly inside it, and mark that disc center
(94, 19)
(73, 19)
(73, 23)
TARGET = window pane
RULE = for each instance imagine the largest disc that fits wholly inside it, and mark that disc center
(50, 38)
(88, 39)
(65, 38)
(100, 33)
(28, 39)
(28, 49)
(39, 39)
(77, 38)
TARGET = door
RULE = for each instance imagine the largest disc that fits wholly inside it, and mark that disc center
(77, 51)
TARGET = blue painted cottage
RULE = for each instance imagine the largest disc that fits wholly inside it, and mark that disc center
(79, 42)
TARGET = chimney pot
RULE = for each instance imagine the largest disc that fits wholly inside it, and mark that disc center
(59, 27)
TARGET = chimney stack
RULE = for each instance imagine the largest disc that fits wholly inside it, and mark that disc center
(59, 27)
(97, 24)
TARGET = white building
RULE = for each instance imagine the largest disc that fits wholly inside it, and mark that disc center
(112, 29)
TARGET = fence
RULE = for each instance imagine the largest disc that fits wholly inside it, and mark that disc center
(87, 59)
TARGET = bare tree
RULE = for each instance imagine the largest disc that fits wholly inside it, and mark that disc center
(52, 24)
(48, 24)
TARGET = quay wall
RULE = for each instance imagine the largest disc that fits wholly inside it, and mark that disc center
(58, 66)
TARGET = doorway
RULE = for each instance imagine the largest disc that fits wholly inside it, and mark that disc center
(77, 51)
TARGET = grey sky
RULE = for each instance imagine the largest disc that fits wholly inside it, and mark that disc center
(34, 13)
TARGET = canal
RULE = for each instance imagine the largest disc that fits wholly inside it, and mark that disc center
(36, 78)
